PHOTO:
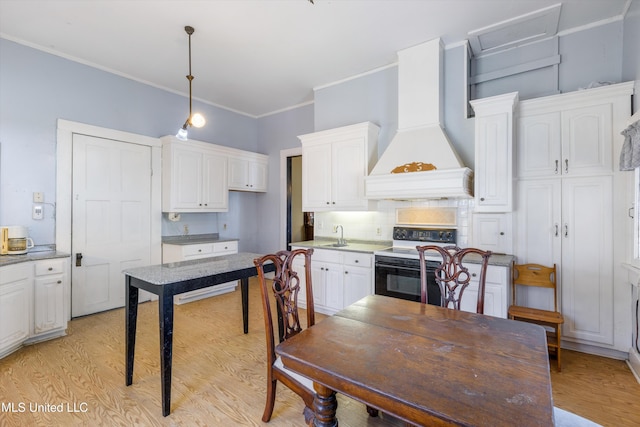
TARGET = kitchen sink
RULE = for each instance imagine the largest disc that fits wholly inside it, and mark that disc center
(336, 245)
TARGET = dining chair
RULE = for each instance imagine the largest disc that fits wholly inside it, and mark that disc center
(536, 275)
(285, 288)
(452, 276)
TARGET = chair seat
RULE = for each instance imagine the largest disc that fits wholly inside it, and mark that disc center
(564, 418)
(306, 382)
(546, 316)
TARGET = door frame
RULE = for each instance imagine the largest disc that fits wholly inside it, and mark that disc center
(64, 178)
(284, 156)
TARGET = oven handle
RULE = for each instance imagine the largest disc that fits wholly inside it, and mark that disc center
(430, 265)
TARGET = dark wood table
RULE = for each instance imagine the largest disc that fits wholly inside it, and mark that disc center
(426, 365)
(168, 280)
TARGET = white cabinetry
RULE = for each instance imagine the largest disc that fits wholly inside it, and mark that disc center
(496, 292)
(493, 232)
(186, 252)
(340, 278)
(334, 165)
(494, 153)
(565, 204)
(194, 177)
(48, 295)
(32, 302)
(248, 172)
(15, 306)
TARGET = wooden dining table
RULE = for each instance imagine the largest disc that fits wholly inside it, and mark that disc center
(426, 365)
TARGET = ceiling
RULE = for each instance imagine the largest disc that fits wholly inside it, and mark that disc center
(257, 57)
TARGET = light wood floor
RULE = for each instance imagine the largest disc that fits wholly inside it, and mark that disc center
(219, 376)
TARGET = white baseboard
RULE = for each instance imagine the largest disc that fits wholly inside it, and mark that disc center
(634, 363)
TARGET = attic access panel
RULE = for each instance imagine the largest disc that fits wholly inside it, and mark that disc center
(515, 32)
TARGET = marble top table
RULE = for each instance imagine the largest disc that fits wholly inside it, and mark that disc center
(168, 280)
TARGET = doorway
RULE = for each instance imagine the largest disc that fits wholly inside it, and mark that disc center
(67, 132)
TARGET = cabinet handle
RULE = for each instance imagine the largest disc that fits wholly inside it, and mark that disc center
(333, 203)
(566, 230)
(346, 272)
(502, 233)
(357, 261)
(556, 171)
(482, 199)
(556, 230)
(473, 274)
(50, 269)
(566, 165)
(199, 250)
(59, 281)
(630, 213)
(328, 203)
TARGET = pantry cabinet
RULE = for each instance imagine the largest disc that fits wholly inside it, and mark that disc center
(566, 204)
(248, 172)
(334, 165)
(194, 177)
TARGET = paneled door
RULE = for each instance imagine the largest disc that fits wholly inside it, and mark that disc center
(111, 220)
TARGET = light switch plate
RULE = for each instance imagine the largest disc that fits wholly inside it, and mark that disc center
(38, 197)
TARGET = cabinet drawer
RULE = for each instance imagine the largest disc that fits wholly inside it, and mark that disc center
(325, 255)
(225, 247)
(198, 250)
(42, 268)
(358, 259)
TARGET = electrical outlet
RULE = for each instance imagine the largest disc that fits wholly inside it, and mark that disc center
(186, 229)
(38, 212)
(378, 231)
(224, 227)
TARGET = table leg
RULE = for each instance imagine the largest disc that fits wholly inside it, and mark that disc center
(131, 299)
(165, 309)
(324, 407)
(244, 290)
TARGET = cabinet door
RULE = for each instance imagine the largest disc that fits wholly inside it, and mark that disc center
(14, 306)
(492, 232)
(586, 140)
(494, 159)
(538, 220)
(539, 146)
(333, 286)
(587, 259)
(318, 277)
(48, 303)
(358, 283)
(238, 174)
(316, 177)
(495, 292)
(215, 194)
(349, 167)
(186, 182)
(298, 266)
(258, 176)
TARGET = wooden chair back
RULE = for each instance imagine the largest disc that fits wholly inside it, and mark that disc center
(535, 275)
(284, 289)
(452, 276)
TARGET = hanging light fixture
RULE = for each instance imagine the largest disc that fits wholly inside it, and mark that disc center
(197, 119)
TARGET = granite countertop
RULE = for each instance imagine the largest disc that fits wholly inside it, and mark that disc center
(367, 246)
(192, 239)
(173, 272)
(38, 253)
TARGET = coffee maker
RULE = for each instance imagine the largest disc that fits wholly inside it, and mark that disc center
(14, 240)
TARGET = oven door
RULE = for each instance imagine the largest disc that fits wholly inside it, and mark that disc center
(400, 278)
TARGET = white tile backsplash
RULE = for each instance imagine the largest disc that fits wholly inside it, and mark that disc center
(365, 225)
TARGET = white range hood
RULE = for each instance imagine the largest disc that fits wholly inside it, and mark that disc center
(402, 172)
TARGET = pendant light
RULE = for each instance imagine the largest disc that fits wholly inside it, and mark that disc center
(197, 119)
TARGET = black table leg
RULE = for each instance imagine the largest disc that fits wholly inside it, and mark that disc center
(244, 290)
(131, 318)
(165, 311)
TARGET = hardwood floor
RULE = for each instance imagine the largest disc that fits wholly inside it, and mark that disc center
(219, 376)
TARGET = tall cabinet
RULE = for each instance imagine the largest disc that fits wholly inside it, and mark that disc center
(565, 204)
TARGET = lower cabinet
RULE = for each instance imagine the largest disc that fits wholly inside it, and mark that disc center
(185, 252)
(340, 278)
(32, 302)
(496, 292)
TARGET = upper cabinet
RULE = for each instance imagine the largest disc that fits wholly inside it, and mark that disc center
(194, 177)
(557, 141)
(334, 165)
(248, 172)
(494, 153)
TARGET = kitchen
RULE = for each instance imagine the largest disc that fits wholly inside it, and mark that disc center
(334, 106)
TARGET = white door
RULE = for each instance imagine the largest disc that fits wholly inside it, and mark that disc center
(111, 227)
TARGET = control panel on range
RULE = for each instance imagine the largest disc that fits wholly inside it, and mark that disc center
(440, 235)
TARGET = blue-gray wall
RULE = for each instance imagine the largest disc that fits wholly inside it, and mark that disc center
(37, 88)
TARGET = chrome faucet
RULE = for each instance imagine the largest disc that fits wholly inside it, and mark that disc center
(341, 241)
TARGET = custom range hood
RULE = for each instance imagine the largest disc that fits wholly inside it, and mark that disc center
(420, 162)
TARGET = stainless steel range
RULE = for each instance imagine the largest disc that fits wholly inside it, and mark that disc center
(397, 269)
